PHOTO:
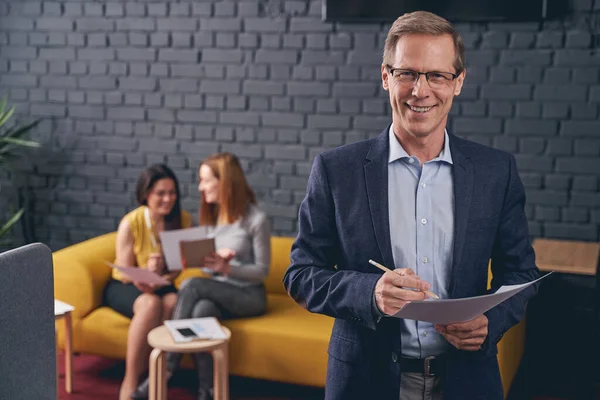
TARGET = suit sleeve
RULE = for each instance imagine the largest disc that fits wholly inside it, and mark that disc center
(513, 261)
(312, 279)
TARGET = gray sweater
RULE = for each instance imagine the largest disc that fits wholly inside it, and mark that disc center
(250, 238)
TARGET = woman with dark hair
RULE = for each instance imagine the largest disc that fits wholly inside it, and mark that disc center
(138, 245)
(238, 267)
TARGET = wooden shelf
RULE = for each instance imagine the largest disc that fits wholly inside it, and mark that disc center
(565, 256)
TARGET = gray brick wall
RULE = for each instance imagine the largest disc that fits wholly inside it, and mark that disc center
(126, 84)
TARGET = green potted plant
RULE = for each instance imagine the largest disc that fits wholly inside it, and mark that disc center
(12, 142)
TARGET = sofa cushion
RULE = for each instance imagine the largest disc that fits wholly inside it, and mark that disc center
(103, 332)
(286, 344)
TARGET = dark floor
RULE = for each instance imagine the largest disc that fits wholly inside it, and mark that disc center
(97, 378)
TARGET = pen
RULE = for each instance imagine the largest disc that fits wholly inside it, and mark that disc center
(386, 269)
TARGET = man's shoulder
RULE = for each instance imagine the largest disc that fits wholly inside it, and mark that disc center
(478, 152)
(349, 152)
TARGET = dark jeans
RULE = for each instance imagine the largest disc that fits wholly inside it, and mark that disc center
(199, 297)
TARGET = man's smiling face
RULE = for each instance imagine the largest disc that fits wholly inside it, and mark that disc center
(421, 108)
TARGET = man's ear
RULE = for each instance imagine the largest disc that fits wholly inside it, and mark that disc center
(460, 80)
(385, 77)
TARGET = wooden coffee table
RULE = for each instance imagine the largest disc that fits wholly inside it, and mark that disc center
(162, 342)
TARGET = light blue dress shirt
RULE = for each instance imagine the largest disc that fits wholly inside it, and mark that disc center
(421, 213)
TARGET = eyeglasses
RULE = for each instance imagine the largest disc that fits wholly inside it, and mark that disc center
(434, 78)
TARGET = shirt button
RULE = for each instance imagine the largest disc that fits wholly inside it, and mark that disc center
(424, 221)
(423, 184)
(424, 260)
(425, 334)
(411, 160)
(394, 357)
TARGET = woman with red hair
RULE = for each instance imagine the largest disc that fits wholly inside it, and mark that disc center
(238, 267)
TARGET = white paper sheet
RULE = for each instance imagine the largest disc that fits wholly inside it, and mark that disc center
(60, 307)
(446, 311)
(202, 328)
(170, 243)
(141, 275)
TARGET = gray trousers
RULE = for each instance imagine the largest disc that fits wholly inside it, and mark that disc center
(199, 297)
(419, 387)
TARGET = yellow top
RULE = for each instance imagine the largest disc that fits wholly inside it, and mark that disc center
(142, 240)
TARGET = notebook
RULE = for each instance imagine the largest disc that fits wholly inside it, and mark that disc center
(194, 251)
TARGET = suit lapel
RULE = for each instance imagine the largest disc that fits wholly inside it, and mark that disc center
(462, 169)
(376, 177)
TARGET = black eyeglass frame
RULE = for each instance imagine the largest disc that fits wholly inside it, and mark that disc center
(391, 71)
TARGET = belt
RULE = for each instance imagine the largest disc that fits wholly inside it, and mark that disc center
(429, 366)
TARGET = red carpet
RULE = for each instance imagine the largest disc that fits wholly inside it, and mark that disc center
(97, 378)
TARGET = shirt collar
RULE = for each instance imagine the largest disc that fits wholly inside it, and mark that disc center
(397, 152)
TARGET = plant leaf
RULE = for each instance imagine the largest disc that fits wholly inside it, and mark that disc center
(19, 142)
(21, 130)
(16, 132)
(5, 116)
(2, 105)
(13, 220)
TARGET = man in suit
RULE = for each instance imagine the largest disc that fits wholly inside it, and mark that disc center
(431, 205)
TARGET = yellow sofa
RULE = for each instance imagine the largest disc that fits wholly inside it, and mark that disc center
(287, 344)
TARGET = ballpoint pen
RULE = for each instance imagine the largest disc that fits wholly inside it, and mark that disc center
(386, 269)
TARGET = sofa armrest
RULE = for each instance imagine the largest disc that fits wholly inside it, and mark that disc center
(510, 351)
(80, 273)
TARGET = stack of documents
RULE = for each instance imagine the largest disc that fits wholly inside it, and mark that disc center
(446, 311)
(186, 330)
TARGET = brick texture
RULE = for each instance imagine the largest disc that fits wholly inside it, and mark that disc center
(126, 84)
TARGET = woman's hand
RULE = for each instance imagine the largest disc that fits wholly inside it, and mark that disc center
(156, 263)
(144, 288)
(227, 254)
(219, 261)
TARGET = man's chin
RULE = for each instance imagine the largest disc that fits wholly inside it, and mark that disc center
(420, 130)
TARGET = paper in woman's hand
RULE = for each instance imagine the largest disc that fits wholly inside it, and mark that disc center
(141, 275)
(170, 240)
(194, 251)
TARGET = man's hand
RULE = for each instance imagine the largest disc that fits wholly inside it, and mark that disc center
(396, 289)
(156, 263)
(144, 288)
(468, 336)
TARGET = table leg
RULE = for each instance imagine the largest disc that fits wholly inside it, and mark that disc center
(57, 372)
(221, 372)
(162, 376)
(68, 353)
(155, 373)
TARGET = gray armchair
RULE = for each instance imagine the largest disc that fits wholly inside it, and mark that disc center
(27, 336)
